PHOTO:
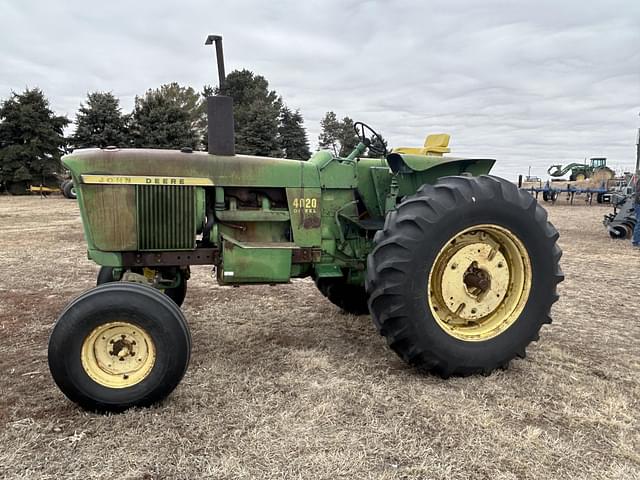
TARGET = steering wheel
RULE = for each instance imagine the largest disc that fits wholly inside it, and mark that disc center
(374, 147)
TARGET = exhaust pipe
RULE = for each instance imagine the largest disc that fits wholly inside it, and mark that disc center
(220, 130)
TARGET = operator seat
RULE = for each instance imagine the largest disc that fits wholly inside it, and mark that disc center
(435, 144)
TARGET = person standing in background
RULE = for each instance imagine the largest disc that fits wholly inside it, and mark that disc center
(636, 197)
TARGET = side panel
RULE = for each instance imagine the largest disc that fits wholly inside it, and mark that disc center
(111, 216)
(254, 265)
(305, 206)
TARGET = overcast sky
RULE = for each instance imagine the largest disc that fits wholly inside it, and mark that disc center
(528, 83)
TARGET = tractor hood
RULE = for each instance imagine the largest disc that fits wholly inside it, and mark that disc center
(152, 166)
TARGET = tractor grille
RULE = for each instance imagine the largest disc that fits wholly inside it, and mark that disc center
(166, 217)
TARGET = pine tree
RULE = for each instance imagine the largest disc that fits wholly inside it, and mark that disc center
(256, 111)
(329, 133)
(347, 137)
(167, 117)
(100, 122)
(31, 140)
(377, 148)
(203, 120)
(337, 136)
(292, 135)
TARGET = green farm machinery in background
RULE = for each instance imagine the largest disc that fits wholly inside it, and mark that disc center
(457, 268)
(596, 168)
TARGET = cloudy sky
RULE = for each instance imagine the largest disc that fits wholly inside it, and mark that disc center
(526, 82)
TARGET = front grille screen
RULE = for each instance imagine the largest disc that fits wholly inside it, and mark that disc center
(166, 217)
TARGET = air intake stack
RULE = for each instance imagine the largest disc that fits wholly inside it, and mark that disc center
(220, 110)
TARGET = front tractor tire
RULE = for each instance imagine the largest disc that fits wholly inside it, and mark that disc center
(177, 294)
(119, 345)
(463, 275)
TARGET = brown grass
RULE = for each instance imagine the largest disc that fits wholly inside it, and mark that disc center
(283, 385)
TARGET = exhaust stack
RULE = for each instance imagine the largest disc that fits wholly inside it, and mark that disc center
(220, 130)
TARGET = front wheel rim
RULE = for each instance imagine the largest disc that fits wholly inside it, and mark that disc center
(118, 354)
(479, 282)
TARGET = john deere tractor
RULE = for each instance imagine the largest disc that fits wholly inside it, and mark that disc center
(457, 268)
(597, 168)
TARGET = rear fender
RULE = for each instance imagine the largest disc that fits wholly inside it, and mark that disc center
(438, 166)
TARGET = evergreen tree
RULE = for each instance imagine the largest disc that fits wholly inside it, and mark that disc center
(338, 136)
(203, 120)
(167, 117)
(100, 122)
(292, 135)
(31, 138)
(377, 148)
(347, 137)
(256, 111)
(330, 133)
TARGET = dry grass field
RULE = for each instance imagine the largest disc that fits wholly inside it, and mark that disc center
(283, 385)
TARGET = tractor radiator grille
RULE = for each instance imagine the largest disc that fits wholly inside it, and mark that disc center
(166, 217)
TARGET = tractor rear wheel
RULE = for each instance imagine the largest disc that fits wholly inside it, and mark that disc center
(351, 298)
(463, 275)
(177, 294)
(118, 346)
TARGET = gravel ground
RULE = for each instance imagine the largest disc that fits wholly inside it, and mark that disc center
(283, 385)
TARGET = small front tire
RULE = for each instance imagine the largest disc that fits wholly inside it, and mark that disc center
(118, 346)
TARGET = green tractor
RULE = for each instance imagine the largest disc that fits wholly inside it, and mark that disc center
(457, 268)
(597, 168)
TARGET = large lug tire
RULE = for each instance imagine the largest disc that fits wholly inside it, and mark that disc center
(177, 294)
(119, 345)
(350, 298)
(463, 275)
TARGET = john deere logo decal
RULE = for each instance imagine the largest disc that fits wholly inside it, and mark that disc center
(144, 180)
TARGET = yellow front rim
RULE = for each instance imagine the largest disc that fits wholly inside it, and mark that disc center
(118, 354)
(479, 282)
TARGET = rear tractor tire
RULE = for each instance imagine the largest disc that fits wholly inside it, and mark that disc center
(463, 275)
(177, 294)
(350, 298)
(119, 345)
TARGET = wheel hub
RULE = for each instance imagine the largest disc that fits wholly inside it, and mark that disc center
(474, 282)
(118, 354)
(479, 282)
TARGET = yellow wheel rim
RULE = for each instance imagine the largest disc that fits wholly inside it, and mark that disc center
(580, 177)
(479, 283)
(118, 354)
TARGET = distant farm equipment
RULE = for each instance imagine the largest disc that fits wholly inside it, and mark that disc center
(68, 189)
(42, 190)
(596, 168)
(622, 221)
(551, 194)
